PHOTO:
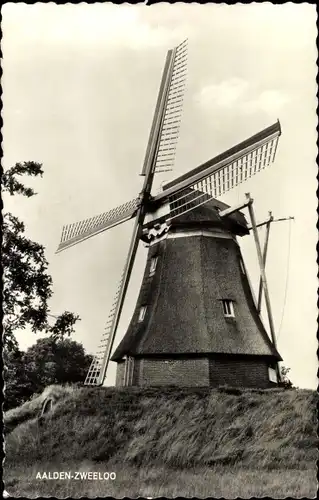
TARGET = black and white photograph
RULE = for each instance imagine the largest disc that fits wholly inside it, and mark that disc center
(159, 263)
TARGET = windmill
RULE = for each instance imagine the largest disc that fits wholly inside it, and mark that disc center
(186, 205)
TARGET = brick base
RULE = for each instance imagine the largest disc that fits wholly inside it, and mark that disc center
(214, 371)
(180, 372)
(239, 373)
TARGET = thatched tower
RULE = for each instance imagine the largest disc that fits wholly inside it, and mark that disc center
(195, 321)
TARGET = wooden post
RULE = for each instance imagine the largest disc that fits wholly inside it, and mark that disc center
(125, 371)
(128, 371)
(263, 276)
(260, 291)
(130, 382)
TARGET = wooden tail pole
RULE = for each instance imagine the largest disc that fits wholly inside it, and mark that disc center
(263, 275)
(260, 291)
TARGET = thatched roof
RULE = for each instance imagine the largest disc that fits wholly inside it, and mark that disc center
(184, 311)
(236, 222)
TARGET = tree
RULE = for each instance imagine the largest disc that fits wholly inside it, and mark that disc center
(17, 386)
(55, 361)
(27, 286)
(49, 361)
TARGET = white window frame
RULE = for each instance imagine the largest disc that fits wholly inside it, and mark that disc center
(141, 315)
(153, 265)
(228, 308)
(272, 375)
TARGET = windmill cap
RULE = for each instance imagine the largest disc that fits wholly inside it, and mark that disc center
(208, 215)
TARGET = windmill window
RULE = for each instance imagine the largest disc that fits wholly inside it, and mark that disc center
(228, 307)
(153, 265)
(141, 315)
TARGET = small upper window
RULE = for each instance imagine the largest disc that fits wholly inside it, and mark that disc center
(142, 313)
(228, 307)
(153, 265)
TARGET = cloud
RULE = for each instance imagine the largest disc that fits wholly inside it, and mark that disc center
(240, 96)
(224, 94)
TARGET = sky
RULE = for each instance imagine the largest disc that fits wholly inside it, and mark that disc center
(80, 84)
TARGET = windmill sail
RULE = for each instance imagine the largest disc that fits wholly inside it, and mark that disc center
(168, 112)
(97, 370)
(95, 375)
(222, 173)
(171, 76)
(173, 112)
(160, 151)
(80, 231)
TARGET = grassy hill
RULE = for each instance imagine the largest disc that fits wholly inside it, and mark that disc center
(186, 442)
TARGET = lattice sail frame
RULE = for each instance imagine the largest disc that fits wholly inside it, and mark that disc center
(225, 177)
(80, 231)
(96, 372)
(164, 156)
(166, 152)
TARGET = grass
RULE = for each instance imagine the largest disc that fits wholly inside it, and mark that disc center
(31, 409)
(173, 442)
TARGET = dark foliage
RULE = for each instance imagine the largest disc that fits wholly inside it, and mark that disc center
(49, 361)
(55, 361)
(12, 185)
(27, 286)
(17, 386)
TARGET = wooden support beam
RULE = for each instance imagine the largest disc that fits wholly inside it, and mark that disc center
(272, 220)
(125, 371)
(263, 275)
(128, 371)
(231, 210)
(131, 370)
(267, 222)
(260, 291)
